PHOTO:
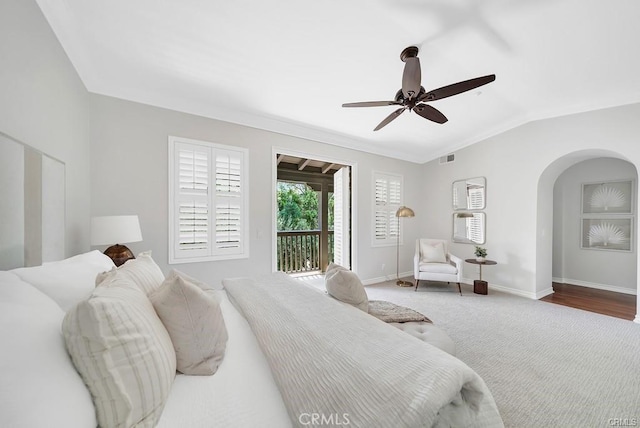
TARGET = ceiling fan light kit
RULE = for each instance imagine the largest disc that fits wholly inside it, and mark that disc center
(413, 97)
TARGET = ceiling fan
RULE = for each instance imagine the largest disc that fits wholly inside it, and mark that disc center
(413, 96)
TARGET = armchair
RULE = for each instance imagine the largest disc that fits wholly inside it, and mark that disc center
(433, 262)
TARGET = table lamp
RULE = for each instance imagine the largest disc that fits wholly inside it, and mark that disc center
(121, 229)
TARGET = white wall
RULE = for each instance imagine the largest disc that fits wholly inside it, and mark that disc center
(44, 104)
(129, 176)
(609, 270)
(521, 166)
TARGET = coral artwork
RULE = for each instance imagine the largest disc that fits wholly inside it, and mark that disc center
(606, 234)
(606, 197)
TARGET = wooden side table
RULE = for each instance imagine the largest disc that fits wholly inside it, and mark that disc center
(480, 286)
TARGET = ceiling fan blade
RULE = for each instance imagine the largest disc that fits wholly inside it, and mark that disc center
(457, 88)
(431, 113)
(411, 78)
(372, 104)
(389, 118)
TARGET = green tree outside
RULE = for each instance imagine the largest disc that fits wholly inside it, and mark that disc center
(298, 206)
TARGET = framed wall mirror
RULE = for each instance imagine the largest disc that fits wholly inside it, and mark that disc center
(469, 228)
(470, 194)
(32, 212)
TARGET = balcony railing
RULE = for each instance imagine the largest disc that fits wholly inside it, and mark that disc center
(299, 251)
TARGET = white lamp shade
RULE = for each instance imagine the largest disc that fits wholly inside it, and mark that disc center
(115, 229)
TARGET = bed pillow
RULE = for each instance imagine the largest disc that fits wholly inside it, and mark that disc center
(194, 321)
(344, 285)
(142, 271)
(433, 253)
(67, 281)
(39, 387)
(123, 353)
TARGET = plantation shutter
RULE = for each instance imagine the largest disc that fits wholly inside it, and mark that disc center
(207, 201)
(341, 218)
(228, 202)
(474, 226)
(192, 236)
(387, 200)
(475, 199)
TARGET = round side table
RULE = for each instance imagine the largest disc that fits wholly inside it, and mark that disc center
(480, 286)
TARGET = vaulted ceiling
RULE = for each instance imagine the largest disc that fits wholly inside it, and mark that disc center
(288, 65)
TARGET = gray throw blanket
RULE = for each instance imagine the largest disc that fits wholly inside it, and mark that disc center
(390, 312)
(348, 368)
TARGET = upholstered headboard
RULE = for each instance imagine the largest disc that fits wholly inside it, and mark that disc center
(32, 211)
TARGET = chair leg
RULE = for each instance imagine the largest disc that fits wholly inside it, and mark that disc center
(417, 281)
(459, 289)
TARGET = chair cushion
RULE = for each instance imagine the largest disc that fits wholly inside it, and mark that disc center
(433, 253)
(438, 268)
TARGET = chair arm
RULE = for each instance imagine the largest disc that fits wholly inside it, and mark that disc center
(456, 260)
(416, 261)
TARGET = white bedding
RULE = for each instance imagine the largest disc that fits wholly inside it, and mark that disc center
(242, 393)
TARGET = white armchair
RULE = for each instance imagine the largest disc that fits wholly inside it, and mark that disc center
(433, 262)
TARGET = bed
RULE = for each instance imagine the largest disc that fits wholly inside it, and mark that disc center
(294, 357)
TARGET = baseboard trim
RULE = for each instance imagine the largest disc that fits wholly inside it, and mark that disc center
(605, 287)
(509, 290)
(637, 319)
(386, 278)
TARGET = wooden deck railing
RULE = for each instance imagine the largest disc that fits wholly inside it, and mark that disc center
(299, 251)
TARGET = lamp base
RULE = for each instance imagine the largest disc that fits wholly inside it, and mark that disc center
(119, 254)
(401, 283)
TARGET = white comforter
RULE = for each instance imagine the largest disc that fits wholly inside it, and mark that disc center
(242, 393)
(346, 366)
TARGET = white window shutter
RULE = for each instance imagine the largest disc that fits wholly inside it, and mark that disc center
(341, 218)
(387, 200)
(228, 201)
(207, 201)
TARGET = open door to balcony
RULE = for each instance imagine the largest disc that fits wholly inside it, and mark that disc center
(313, 214)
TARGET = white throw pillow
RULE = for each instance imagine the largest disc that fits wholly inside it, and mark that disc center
(194, 321)
(344, 285)
(39, 386)
(142, 271)
(67, 281)
(123, 353)
(433, 253)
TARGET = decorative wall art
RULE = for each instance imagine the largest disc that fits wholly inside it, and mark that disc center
(612, 197)
(607, 233)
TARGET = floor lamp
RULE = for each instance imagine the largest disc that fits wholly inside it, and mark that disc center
(402, 212)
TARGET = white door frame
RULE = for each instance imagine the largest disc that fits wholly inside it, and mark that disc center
(354, 205)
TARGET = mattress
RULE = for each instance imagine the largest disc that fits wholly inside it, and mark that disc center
(242, 393)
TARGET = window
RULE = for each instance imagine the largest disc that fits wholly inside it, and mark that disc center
(387, 199)
(208, 201)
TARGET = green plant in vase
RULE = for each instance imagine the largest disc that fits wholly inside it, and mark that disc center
(481, 253)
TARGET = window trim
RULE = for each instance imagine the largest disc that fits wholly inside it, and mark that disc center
(174, 196)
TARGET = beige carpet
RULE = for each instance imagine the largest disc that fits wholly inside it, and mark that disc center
(546, 365)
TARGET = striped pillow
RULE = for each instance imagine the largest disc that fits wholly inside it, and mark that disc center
(123, 353)
(142, 271)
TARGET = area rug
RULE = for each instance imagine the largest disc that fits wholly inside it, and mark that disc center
(547, 365)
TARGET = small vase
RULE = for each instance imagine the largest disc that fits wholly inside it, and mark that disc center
(480, 259)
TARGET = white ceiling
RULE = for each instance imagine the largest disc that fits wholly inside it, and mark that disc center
(288, 65)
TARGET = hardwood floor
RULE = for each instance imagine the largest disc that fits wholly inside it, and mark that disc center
(617, 305)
